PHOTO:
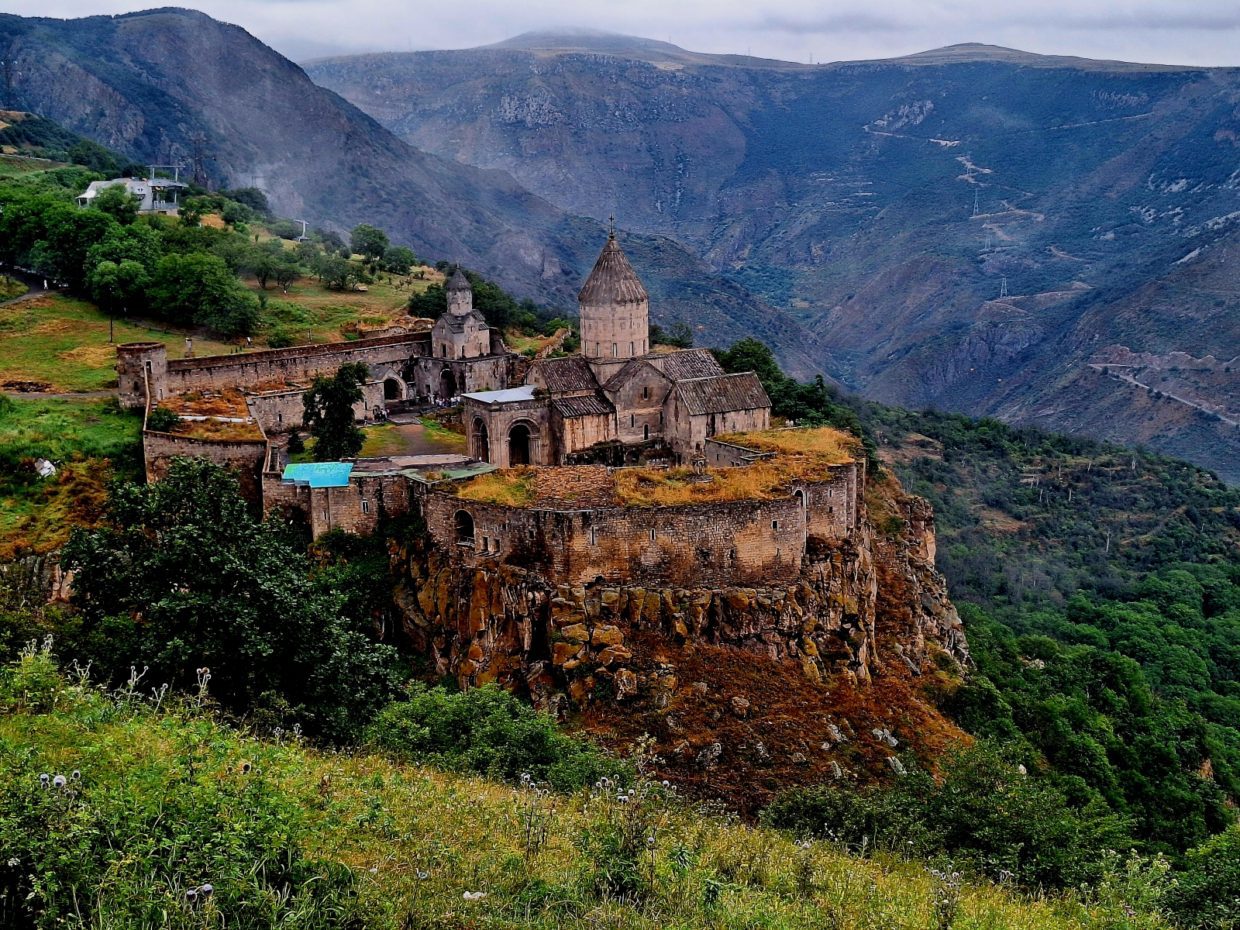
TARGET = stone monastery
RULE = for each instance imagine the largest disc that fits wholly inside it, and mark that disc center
(617, 463)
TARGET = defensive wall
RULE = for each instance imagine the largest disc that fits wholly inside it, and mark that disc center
(143, 363)
(738, 542)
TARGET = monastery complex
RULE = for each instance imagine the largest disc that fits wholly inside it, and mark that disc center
(618, 463)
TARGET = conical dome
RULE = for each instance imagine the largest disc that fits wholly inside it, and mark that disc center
(458, 282)
(613, 280)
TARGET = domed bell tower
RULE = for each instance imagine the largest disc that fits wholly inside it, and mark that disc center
(615, 308)
(460, 294)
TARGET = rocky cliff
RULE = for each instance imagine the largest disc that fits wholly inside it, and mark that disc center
(751, 688)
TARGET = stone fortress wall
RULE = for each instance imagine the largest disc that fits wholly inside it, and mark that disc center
(741, 542)
(147, 362)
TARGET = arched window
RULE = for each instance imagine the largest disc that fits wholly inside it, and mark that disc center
(482, 443)
(464, 525)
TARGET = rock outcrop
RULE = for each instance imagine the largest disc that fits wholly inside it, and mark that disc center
(868, 614)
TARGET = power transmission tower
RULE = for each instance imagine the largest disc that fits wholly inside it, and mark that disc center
(1003, 291)
(975, 196)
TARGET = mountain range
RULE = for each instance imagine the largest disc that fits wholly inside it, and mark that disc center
(1046, 240)
(1049, 240)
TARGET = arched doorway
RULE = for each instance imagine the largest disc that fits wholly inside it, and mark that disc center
(481, 440)
(447, 384)
(393, 389)
(463, 524)
(519, 445)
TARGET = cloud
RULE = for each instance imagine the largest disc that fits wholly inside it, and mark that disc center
(835, 23)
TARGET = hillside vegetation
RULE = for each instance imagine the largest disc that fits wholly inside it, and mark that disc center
(121, 809)
(1100, 589)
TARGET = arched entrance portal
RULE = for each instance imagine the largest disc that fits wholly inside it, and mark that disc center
(481, 440)
(393, 389)
(463, 522)
(447, 384)
(519, 445)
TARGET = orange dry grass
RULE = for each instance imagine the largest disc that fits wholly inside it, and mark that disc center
(227, 403)
(218, 429)
(821, 445)
(648, 487)
(513, 486)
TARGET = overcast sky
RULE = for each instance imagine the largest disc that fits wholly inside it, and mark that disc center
(1202, 32)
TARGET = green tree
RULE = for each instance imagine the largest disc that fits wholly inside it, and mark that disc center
(369, 241)
(118, 288)
(118, 203)
(1206, 895)
(329, 412)
(399, 259)
(199, 288)
(185, 577)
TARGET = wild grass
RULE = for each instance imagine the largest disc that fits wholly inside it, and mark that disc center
(88, 440)
(382, 439)
(167, 800)
(62, 343)
(310, 312)
(513, 486)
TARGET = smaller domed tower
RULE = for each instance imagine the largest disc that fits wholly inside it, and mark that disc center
(615, 308)
(141, 366)
(460, 294)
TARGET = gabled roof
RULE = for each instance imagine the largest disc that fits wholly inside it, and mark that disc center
(456, 322)
(628, 370)
(613, 279)
(563, 375)
(588, 405)
(686, 363)
(723, 393)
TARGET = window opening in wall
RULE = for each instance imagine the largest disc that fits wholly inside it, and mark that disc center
(365, 506)
(646, 431)
(652, 535)
(632, 420)
(632, 349)
(614, 352)
(645, 393)
(593, 536)
(774, 524)
(486, 543)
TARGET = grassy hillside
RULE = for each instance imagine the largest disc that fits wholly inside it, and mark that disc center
(159, 802)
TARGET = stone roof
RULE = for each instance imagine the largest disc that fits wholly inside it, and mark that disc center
(456, 321)
(564, 375)
(723, 393)
(613, 280)
(627, 371)
(458, 282)
(588, 405)
(687, 363)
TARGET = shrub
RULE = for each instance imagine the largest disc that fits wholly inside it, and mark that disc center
(490, 732)
(162, 420)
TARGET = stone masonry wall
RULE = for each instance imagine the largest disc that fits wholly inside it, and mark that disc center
(292, 364)
(244, 456)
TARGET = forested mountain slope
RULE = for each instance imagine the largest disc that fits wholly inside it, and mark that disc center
(976, 228)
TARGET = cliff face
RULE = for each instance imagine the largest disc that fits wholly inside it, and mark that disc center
(743, 690)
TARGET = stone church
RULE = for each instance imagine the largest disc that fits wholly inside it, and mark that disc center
(617, 402)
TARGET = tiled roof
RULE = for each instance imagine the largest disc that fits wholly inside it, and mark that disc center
(458, 282)
(564, 375)
(687, 363)
(589, 405)
(613, 279)
(628, 370)
(723, 393)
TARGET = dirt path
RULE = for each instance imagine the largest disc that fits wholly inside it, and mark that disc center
(1129, 379)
